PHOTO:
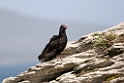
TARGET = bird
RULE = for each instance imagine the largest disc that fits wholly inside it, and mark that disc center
(56, 45)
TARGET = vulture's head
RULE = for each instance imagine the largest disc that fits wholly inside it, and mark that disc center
(62, 28)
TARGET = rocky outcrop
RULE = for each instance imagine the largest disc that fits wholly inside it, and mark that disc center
(94, 58)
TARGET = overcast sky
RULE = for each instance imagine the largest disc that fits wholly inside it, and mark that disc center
(96, 12)
(100, 11)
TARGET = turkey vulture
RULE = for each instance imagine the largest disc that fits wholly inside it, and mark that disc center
(55, 46)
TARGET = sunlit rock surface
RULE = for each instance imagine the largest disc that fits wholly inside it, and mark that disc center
(94, 58)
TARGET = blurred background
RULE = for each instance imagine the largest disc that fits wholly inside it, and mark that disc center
(27, 25)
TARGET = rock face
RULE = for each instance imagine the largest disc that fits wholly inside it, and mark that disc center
(94, 58)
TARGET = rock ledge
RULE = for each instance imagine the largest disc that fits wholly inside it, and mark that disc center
(94, 58)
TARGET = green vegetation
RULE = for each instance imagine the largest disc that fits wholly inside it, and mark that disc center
(86, 71)
(113, 77)
(103, 40)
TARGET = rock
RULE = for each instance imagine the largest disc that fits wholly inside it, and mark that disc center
(115, 49)
(94, 58)
(93, 64)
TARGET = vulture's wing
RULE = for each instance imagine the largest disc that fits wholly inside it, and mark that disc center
(50, 49)
(50, 46)
(54, 37)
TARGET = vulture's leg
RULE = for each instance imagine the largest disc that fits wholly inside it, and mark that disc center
(59, 58)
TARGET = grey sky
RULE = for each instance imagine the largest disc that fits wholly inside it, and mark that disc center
(98, 11)
(27, 25)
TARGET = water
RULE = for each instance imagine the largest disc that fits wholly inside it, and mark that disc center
(14, 70)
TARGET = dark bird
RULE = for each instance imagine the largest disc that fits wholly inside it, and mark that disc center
(55, 46)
